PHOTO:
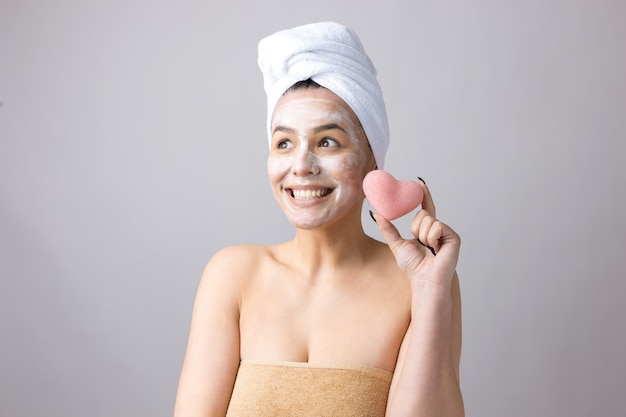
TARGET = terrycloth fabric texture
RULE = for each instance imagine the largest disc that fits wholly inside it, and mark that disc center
(331, 55)
(302, 390)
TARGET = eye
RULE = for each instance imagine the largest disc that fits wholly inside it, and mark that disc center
(284, 144)
(328, 143)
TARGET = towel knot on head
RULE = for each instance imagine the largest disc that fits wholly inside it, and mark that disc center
(331, 55)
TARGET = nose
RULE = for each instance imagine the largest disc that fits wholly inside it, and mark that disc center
(306, 163)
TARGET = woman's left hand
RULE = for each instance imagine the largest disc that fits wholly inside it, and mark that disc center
(416, 257)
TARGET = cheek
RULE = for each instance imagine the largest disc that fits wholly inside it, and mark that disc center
(278, 166)
(347, 169)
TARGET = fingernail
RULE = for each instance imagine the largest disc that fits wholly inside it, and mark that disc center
(372, 216)
(422, 180)
(432, 250)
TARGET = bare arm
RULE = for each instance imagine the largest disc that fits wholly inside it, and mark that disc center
(212, 357)
(426, 378)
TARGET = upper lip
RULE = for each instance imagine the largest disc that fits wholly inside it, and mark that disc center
(307, 186)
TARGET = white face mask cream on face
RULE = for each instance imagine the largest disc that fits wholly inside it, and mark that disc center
(318, 157)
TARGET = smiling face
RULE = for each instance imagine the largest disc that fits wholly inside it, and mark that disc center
(318, 157)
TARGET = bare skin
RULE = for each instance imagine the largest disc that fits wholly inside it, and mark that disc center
(332, 295)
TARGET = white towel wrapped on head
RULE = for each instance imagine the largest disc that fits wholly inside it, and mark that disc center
(331, 55)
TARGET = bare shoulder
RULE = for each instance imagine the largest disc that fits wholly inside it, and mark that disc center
(213, 355)
(231, 267)
(237, 258)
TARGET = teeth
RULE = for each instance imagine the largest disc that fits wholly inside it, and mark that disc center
(309, 194)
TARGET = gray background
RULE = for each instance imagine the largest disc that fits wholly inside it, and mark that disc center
(132, 147)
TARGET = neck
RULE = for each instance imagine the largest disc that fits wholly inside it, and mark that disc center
(332, 248)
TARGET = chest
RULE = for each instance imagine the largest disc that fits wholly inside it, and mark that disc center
(362, 322)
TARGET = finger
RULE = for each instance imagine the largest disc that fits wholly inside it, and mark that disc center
(407, 252)
(422, 219)
(420, 228)
(448, 241)
(423, 231)
(434, 234)
(430, 248)
(427, 200)
(388, 231)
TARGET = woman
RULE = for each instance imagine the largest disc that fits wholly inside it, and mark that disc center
(333, 322)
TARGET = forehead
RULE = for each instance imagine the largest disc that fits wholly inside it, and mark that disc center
(313, 104)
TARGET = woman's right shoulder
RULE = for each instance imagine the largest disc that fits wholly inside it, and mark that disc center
(236, 262)
(240, 255)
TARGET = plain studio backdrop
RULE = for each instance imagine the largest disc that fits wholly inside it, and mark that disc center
(133, 146)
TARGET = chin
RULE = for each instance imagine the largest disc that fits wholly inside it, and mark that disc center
(307, 224)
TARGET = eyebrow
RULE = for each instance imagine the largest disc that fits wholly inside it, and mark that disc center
(328, 126)
(318, 129)
(280, 128)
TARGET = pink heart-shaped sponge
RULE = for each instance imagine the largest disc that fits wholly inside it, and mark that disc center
(390, 197)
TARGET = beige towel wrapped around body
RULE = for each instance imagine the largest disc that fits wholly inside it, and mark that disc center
(301, 389)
